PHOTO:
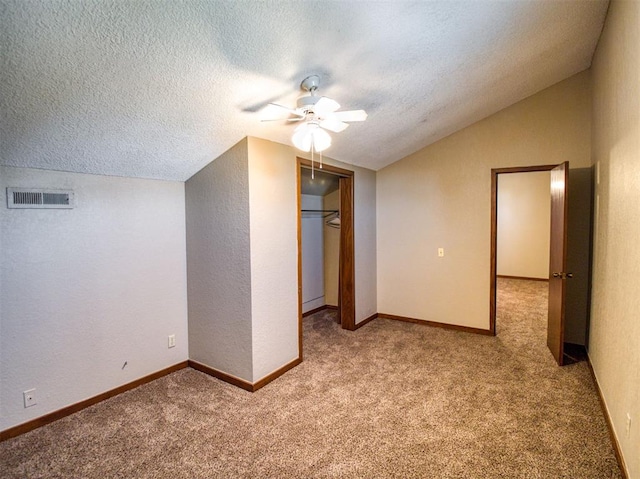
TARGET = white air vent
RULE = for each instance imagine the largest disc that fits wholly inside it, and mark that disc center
(39, 198)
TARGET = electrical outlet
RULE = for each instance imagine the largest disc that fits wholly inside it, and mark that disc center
(628, 429)
(29, 398)
(440, 252)
(172, 341)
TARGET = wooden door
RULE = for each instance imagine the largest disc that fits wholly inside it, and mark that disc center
(558, 261)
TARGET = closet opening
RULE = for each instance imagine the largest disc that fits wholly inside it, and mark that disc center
(325, 243)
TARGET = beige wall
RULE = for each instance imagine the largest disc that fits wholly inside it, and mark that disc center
(274, 255)
(614, 339)
(219, 264)
(440, 197)
(331, 252)
(524, 220)
(84, 290)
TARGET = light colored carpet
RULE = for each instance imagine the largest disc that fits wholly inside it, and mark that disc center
(392, 399)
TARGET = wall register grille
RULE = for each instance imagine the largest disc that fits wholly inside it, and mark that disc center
(39, 198)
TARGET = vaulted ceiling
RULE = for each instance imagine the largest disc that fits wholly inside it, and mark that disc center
(159, 88)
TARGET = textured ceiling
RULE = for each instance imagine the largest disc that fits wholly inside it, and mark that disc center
(159, 88)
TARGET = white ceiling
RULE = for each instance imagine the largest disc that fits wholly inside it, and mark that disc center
(159, 88)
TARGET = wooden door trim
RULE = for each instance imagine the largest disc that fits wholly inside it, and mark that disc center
(346, 283)
(299, 233)
(494, 233)
(346, 287)
(304, 163)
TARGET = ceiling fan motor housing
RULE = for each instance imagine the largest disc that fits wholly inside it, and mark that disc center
(307, 102)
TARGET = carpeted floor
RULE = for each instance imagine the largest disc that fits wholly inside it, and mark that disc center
(392, 399)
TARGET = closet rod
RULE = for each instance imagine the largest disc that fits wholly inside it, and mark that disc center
(323, 213)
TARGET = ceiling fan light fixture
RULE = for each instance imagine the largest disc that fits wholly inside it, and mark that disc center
(309, 135)
(321, 139)
(301, 139)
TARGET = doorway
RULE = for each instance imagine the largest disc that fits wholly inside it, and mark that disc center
(555, 274)
(342, 211)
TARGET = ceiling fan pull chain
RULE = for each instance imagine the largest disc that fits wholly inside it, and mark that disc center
(312, 172)
(320, 160)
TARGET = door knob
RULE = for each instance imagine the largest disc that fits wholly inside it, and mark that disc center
(562, 275)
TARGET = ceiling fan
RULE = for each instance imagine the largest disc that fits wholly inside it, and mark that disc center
(317, 114)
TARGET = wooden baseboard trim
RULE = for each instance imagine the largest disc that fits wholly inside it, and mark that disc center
(454, 327)
(314, 311)
(276, 374)
(73, 408)
(521, 277)
(612, 434)
(365, 321)
(335, 308)
(227, 378)
(241, 383)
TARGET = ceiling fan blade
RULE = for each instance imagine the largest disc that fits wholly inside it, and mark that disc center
(274, 112)
(331, 123)
(351, 115)
(325, 105)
